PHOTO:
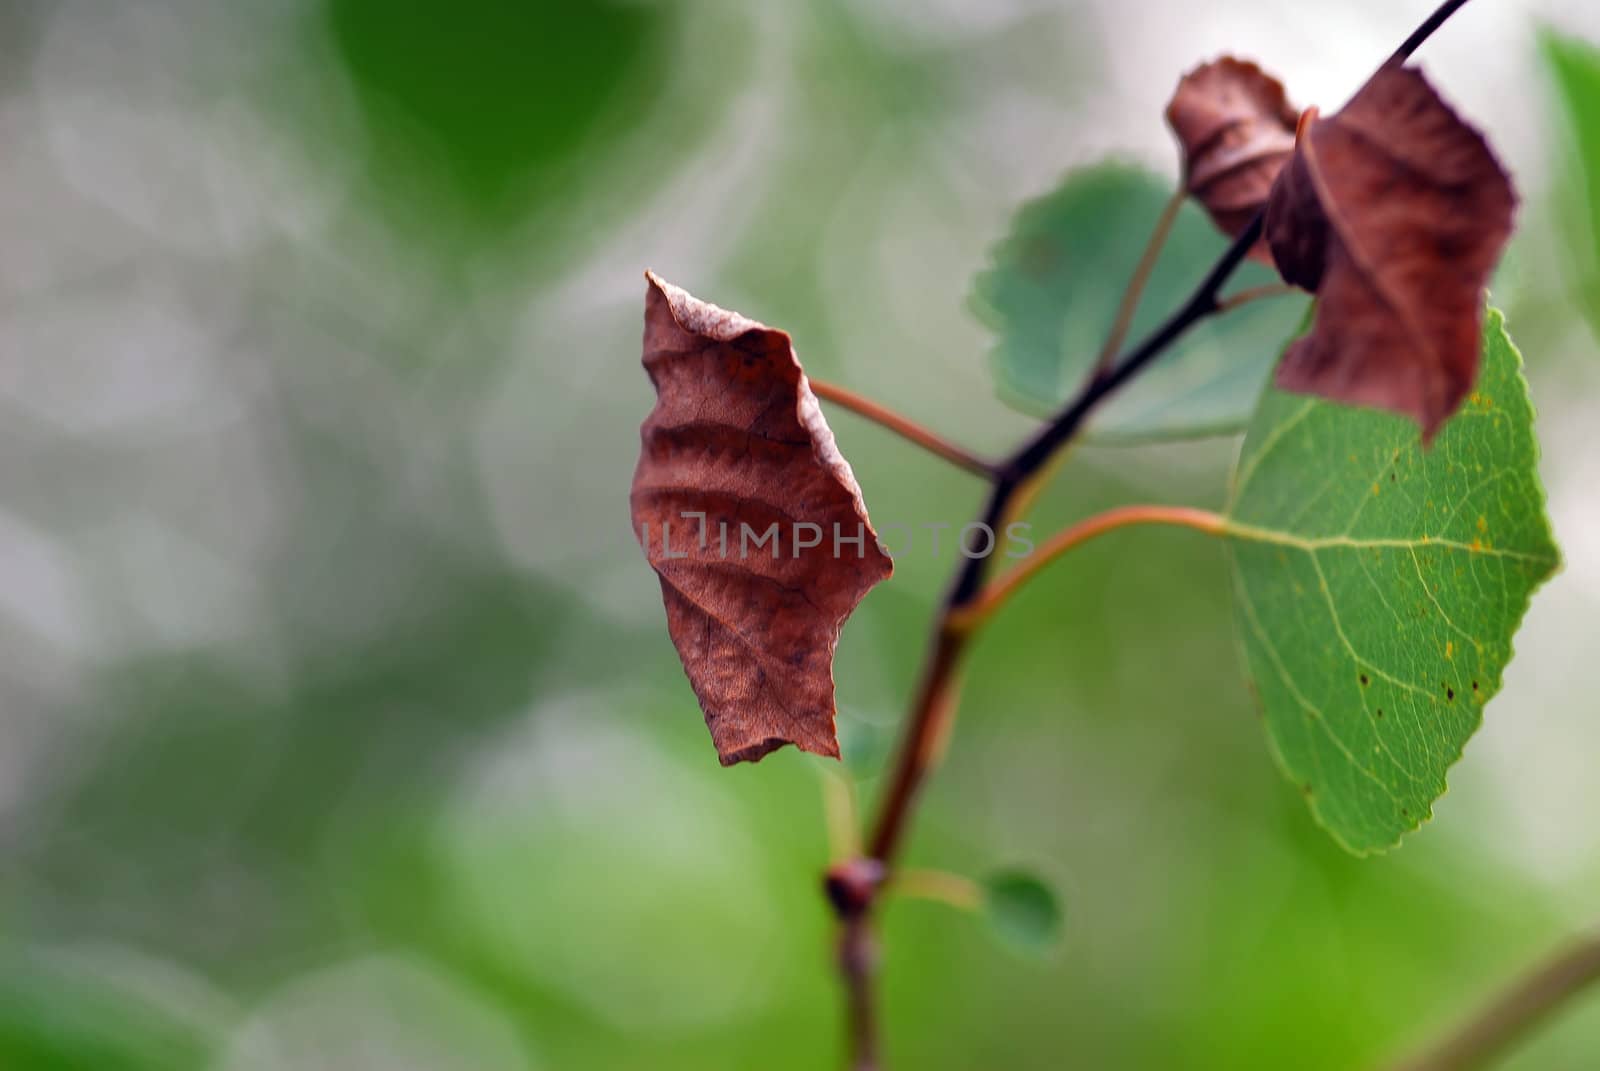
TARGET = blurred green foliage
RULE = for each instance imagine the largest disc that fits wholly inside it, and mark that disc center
(433, 793)
(496, 95)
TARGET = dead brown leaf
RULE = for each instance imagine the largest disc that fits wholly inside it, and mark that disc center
(753, 521)
(1236, 129)
(1394, 212)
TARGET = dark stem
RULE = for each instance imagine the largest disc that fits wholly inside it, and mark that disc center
(928, 726)
(1036, 452)
(924, 737)
(1425, 31)
(933, 710)
(857, 952)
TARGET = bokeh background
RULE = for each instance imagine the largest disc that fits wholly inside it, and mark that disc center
(339, 727)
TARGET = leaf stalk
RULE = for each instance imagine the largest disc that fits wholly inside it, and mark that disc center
(902, 426)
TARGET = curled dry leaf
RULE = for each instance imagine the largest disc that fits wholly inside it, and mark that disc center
(1236, 129)
(753, 521)
(1394, 212)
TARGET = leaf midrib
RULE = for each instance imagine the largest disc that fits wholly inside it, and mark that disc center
(1234, 529)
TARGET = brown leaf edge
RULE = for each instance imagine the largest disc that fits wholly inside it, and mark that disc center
(738, 435)
(1235, 129)
(1394, 211)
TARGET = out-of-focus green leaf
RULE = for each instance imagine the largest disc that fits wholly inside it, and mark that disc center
(90, 1012)
(376, 1012)
(1378, 585)
(1576, 67)
(493, 92)
(1022, 909)
(1056, 281)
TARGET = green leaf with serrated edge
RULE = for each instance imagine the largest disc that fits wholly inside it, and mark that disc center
(1378, 585)
(1022, 909)
(1576, 68)
(1052, 292)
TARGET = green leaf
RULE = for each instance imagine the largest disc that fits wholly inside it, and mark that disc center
(1052, 294)
(1022, 909)
(1378, 586)
(1576, 67)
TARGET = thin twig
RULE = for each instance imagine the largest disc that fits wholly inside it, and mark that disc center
(1022, 501)
(857, 951)
(924, 739)
(902, 426)
(998, 591)
(1136, 285)
(933, 710)
(1529, 1001)
(1426, 30)
(1255, 293)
